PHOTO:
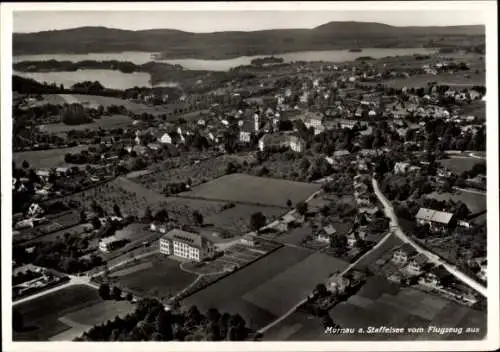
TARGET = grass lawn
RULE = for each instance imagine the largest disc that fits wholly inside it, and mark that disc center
(105, 122)
(162, 279)
(41, 314)
(228, 294)
(40, 159)
(460, 164)
(251, 189)
(96, 100)
(295, 283)
(474, 201)
(84, 319)
(101, 312)
(236, 220)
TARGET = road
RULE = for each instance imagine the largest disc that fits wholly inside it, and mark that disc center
(294, 308)
(80, 280)
(467, 190)
(433, 258)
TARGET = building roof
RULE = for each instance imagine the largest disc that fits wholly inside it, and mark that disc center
(408, 249)
(191, 238)
(434, 216)
(329, 230)
(420, 259)
(109, 240)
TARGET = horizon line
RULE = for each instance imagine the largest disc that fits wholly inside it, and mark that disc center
(247, 31)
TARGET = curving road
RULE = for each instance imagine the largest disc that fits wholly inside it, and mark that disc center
(433, 258)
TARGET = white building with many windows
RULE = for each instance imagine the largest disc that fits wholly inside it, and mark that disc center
(188, 245)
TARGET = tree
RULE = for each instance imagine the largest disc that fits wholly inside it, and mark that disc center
(116, 293)
(104, 291)
(96, 223)
(321, 290)
(289, 203)
(257, 220)
(301, 208)
(161, 215)
(17, 320)
(197, 218)
(339, 244)
(148, 215)
(25, 165)
(83, 216)
(117, 211)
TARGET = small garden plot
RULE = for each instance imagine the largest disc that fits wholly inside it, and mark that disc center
(240, 188)
(476, 202)
(163, 279)
(41, 315)
(460, 164)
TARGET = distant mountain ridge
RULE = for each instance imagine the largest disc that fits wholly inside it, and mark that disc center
(180, 44)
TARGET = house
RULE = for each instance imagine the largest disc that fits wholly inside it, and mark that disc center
(434, 276)
(326, 234)
(340, 153)
(274, 142)
(416, 264)
(43, 175)
(352, 238)
(158, 227)
(337, 284)
(369, 212)
(286, 223)
(437, 220)
(188, 245)
(403, 254)
(297, 144)
(249, 240)
(400, 168)
(108, 244)
(246, 132)
(316, 122)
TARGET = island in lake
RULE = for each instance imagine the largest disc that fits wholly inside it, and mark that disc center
(355, 50)
(268, 60)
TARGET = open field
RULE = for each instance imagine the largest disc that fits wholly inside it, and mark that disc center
(460, 164)
(457, 80)
(295, 283)
(180, 170)
(162, 279)
(84, 319)
(380, 303)
(236, 220)
(105, 122)
(92, 100)
(476, 109)
(40, 159)
(251, 189)
(227, 294)
(475, 202)
(41, 314)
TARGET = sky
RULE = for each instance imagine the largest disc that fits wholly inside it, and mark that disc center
(213, 21)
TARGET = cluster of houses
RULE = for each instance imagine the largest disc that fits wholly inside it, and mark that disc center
(411, 263)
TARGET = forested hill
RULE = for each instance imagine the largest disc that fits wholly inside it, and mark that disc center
(218, 45)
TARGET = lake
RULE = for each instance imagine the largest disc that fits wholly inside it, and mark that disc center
(119, 80)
